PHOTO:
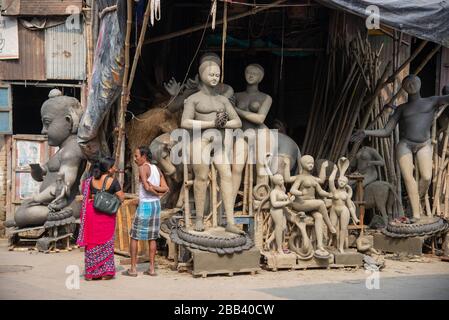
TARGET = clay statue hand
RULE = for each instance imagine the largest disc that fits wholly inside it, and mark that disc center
(173, 87)
(221, 119)
(37, 173)
(358, 136)
(192, 84)
(291, 198)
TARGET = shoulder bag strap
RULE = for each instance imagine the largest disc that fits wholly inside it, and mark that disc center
(104, 184)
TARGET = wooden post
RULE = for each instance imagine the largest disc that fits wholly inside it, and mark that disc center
(125, 94)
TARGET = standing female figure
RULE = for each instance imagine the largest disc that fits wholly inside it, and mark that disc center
(97, 228)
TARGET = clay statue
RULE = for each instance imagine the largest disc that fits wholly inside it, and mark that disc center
(415, 119)
(181, 92)
(380, 195)
(61, 174)
(207, 109)
(365, 162)
(278, 200)
(252, 105)
(342, 206)
(304, 188)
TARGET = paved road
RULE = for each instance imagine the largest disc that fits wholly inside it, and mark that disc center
(400, 288)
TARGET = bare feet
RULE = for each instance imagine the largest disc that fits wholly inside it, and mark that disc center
(233, 229)
(199, 226)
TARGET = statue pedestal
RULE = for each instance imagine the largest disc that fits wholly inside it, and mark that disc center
(410, 245)
(350, 258)
(207, 263)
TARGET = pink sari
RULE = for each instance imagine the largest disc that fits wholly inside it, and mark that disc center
(97, 236)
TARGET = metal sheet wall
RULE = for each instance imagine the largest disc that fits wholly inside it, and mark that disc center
(65, 53)
(40, 7)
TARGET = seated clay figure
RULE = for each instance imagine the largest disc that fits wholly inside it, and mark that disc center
(61, 174)
(304, 188)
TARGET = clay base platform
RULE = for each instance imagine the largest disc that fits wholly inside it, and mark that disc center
(411, 245)
(290, 261)
(208, 263)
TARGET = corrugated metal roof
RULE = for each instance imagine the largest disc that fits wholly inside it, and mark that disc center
(65, 53)
(31, 62)
(39, 7)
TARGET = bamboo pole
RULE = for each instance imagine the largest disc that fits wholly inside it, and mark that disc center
(125, 93)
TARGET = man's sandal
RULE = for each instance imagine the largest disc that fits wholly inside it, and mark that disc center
(129, 273)
(148, 273)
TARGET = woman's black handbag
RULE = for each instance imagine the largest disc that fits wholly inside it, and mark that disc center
(106, 202)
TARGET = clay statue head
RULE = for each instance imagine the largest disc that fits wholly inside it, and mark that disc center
(209, 72)
(411, 84)
(277, 179)
(307, 163)
(342, 182)
(60, 117)
(211, 56)
(254, 73)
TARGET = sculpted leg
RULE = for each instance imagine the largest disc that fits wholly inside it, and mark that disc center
(279, 226)
(405, 157)
(224, 171)
(334, 219)
(238, 164)
(31, 216)
(344, 221)
(318, 230)
(424, 156)
(201, 172)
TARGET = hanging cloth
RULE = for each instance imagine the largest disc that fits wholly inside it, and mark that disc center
(155, 10)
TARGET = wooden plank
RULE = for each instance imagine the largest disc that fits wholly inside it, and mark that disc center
(31, 62)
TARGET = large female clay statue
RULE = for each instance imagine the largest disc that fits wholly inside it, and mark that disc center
(304, 189)
(278, 200)
(207, 109)
(252, 105)
(180, 93)
(342, 206)
(365, 162)
(415, 119)
(60, 175)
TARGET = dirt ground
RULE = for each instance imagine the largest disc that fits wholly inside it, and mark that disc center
(34, 275)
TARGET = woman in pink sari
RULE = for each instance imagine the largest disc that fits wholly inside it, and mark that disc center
(97, 229)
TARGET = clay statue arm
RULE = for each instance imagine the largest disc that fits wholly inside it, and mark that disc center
(275, 203)
(350, 204)
(178, 102)
(321, 192)
(322, 174)
(389, 127)
(188, 116)
(332, 179)
(377, 159)
(69, 170)
(442, 100)
(38, 172)
(234, 121)
(259, 116)
(294, 190)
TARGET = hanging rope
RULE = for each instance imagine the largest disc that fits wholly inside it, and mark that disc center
(282, 47)
(224, 36)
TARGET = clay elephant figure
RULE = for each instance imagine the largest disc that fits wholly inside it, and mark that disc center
(380, 195)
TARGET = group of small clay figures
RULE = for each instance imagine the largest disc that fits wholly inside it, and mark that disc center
(307, 197)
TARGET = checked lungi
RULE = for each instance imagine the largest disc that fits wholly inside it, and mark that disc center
(147, 221)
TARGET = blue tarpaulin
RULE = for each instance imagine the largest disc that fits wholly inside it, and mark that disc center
(424, 19)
